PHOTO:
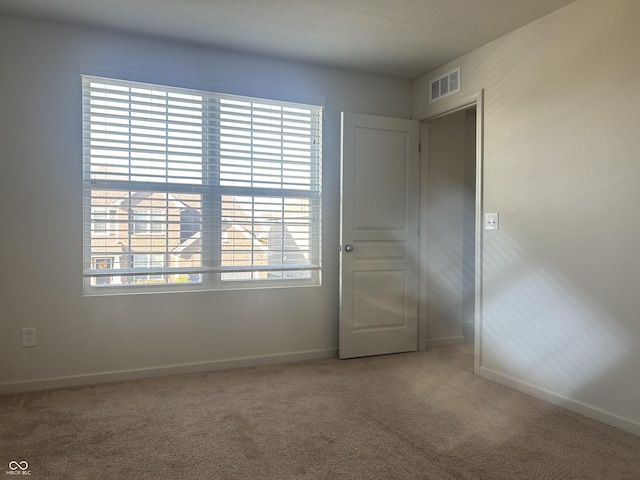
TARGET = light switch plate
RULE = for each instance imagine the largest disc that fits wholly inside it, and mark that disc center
(29, 337)
(491, 221)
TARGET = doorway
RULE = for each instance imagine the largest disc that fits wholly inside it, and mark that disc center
(450, 206)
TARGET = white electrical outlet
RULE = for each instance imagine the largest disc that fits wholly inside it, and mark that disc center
(29, 337)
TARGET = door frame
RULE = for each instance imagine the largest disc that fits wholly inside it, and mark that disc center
(448, 106)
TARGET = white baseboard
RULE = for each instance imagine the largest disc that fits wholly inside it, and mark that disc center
(443, 342)
(603, 416)
(187, 368)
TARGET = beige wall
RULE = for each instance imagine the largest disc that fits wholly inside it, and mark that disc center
(81, 338)
(561, 165)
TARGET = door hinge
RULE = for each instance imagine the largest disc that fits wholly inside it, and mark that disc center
(419, 147)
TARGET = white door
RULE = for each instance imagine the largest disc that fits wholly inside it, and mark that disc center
(379, 258)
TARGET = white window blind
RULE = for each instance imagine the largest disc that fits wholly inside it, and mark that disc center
(193, 189)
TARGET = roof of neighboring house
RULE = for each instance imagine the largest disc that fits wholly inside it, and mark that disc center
(133, 199)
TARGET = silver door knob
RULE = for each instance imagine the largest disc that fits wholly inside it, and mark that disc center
(349, 248)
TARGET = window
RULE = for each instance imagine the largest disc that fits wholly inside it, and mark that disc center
(148, 262)
(147, 221)
(198, 190)
(102, 263)
(102, 220)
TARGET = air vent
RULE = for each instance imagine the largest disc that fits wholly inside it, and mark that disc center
(445, 85)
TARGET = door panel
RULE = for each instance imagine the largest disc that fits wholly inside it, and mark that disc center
(379, 292)
(380, 251)
(378, 180)
(379, 238)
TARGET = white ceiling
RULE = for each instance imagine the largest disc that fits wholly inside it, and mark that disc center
(399, 38)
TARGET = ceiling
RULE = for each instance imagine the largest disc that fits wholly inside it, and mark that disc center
(399, 38)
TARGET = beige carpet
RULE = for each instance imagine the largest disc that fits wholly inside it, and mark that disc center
(419, 415)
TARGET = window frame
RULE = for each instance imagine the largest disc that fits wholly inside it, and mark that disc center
(210, 273)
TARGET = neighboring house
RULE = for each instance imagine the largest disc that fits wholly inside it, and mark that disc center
(143, 230)
(140, 230)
